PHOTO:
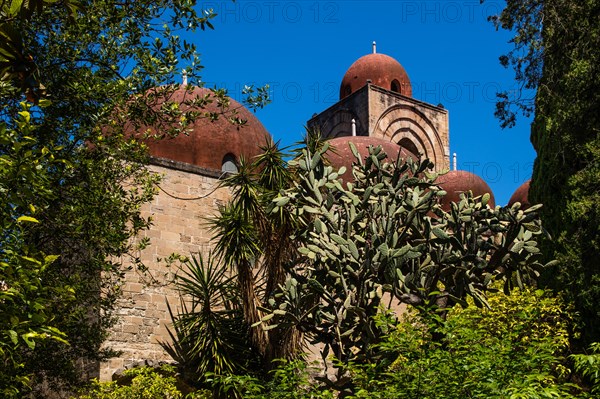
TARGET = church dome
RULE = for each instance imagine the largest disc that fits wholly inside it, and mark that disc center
(216, 145)
(340, 154)
(521, 195)
(382, 70)
(457, 182)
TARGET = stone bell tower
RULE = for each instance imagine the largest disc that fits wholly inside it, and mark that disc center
(376, 97)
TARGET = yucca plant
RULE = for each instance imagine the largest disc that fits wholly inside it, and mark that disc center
(210, 336)
(258, 244)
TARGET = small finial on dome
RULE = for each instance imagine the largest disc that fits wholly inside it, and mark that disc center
(454, 161)
(374, 47)
(353, 127)
(184, 76)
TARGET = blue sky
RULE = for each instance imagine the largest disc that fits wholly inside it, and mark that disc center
(303, 48)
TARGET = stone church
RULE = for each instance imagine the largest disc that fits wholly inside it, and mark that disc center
(376, 107)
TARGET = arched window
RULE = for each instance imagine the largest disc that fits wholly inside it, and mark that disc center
(229, 164)
(395, 86)
(409, 146)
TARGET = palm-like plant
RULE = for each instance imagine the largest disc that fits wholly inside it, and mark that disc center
(238, 247)
(258, 243)
(210, 335)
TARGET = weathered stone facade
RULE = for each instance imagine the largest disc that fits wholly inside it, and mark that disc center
(188, 196)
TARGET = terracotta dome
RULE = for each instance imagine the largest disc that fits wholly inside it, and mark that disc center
(213, 145)
(381, 69)
(457, 182)
(340, 153)
(521, 195)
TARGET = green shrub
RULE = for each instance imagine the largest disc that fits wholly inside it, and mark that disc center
(289, 380)
(142, 383)
(588, 365)
(516, 349)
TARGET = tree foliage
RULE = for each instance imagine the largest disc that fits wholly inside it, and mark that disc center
(524, 18)
(76, 77)
(557, 52)
(25, 316)
(566, 134)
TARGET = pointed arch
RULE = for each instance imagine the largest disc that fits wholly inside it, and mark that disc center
(403, 121)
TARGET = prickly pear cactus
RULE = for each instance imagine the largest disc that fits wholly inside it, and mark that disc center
(384, 238)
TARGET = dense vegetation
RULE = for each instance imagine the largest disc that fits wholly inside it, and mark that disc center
(71, 179)
(335, 256)
(362, 247)
(557, 52)
(518, 349)
(566, 135)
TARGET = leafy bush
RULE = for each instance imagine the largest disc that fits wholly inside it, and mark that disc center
(518, 348)
(515, 349)
(144, 383)
(291, 380)
(589, 366)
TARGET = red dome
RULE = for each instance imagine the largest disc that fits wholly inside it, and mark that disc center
(521, 195)
(210, 144)
(381, 69)
(340, 153)
(457, 182)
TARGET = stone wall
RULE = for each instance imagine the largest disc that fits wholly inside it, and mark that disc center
(188, 196)
(336, 121)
